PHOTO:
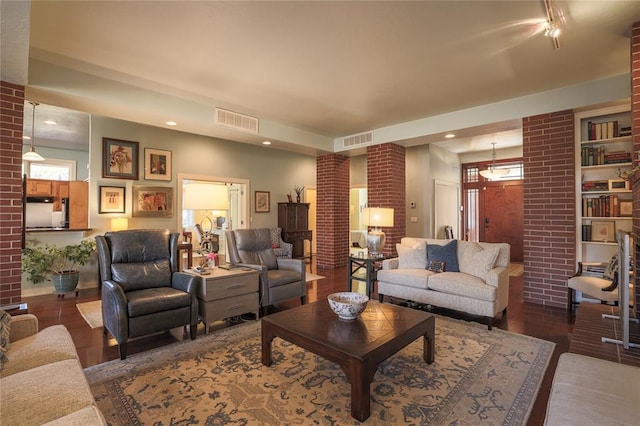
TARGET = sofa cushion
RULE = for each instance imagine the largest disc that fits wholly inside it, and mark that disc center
(417, 278)
(477, 261)
(612, 268)
(49, 345)
(44, 393)
(90, 415)
(447, 253)
(414, 257)
(275, 236)
(461, 284)
(5, 332)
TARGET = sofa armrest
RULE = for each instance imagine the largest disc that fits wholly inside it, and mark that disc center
(390, 263)
(23, 326)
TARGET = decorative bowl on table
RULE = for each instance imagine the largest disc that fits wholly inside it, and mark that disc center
(347, 304)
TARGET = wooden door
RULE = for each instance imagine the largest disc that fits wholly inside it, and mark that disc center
(502, 215)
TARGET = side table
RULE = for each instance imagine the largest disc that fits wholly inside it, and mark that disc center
(226, 293)
(363, 268)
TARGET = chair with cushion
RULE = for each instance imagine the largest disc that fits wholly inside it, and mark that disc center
(281, 248)
(280, 279)
(601, 286)
(142, 290)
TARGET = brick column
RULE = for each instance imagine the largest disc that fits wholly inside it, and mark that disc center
(386, 187)
(11, 117)
(332, 222)
(635, 132)
(549, 207)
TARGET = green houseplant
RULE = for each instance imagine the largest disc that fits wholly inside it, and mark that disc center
(43, 262)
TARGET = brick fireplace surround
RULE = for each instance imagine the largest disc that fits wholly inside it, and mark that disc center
(549, 193)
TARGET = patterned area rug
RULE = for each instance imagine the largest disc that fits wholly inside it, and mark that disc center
(91, 312)
(478, 377)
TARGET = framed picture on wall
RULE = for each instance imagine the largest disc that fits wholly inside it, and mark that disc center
(152, 201)
(263, 202)
(157, 164)
(111, 199)
(604, 231)
(119, 159)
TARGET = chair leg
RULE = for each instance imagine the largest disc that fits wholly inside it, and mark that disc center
(489, 323)
(193, 329)
(380, 297)
(122, 350)
(303, 299)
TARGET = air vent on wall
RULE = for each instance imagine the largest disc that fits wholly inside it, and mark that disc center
(237, 121)
(358, 139)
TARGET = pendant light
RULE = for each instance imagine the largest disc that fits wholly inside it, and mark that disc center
(32, 155)
(492, 172)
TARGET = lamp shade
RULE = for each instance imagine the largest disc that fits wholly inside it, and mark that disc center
(119, 224)
(205, 196)
(377, 216)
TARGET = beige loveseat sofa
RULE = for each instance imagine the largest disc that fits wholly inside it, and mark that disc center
(42, 378)
(592, 391)
(475, 278)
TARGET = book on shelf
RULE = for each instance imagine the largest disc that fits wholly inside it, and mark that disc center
(594, 269)
(603, 130)
(595, 185)
(586, 232)
(603, 206)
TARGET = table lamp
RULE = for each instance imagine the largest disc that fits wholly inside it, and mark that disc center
(205, 196)
(376, 217)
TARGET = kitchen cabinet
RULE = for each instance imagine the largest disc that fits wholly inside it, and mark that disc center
(39, 187)
(60, 191)
(78, 204)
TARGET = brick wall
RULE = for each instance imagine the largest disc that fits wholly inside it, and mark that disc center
(386, 187)
(11, 116)
(635, 131)
(332, 222)
(549, 207)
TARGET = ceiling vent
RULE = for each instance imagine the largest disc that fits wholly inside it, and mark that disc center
(237, 121)
(358, 139)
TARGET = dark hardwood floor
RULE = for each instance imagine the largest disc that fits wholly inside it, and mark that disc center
(93, 348)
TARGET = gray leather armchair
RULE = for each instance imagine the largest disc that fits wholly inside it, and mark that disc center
(280, 278)
(142, 292)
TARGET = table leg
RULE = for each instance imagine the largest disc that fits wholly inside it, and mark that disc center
(360, 376)
(267, 338)
(429, 349)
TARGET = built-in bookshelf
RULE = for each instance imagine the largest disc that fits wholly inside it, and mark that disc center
(604, 151)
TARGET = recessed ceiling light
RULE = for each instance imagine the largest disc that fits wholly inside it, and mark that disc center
(51, 122)
(449, 135)
(171, 123)
(266, 143)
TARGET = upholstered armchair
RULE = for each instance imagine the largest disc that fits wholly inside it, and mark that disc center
(602, 286)
(281, 248)
(280, 279)
(142, 292)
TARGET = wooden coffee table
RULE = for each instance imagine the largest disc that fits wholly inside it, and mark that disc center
(358, 346)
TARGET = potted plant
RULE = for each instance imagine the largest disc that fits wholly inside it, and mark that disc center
(44, 262)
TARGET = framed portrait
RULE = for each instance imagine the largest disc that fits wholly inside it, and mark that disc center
(603, 231)
(119, 159)
(111, 199)
(618, 185)
(157, 164)
(263, 202)
(152, 201)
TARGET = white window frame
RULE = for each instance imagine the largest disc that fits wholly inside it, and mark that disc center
(69, 164)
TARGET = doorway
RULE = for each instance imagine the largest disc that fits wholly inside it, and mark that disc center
(494, 208)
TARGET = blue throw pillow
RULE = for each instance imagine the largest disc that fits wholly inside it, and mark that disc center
(447, 253)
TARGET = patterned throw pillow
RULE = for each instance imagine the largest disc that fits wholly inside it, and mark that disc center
(5, 321)
(275, 236)
(612, 268)
(447, 253)
(436, 266)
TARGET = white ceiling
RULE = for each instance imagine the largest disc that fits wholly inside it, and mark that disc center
(315, 71)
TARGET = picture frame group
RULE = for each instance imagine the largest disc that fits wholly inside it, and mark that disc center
(152, 201)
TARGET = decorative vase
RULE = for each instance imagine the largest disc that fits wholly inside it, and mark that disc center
(211, 263)
(67, 281)
(297, 198)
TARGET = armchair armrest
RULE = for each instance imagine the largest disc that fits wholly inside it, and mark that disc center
(185, 282)
(390, 263)
(292, 264)
(498, 277)
(23, 326)
(115, 303)
(262, 269)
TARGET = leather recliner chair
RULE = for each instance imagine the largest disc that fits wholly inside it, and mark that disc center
(280, 278)
(142, 290)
